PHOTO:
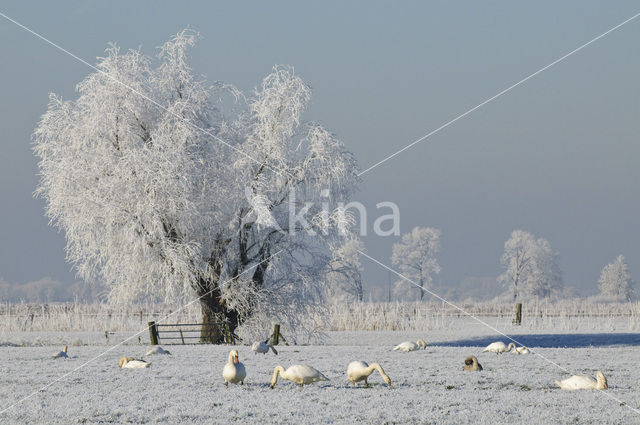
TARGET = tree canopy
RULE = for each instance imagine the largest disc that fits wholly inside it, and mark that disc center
(166, 191)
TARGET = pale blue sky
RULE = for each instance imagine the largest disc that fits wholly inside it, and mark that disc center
(558, 156)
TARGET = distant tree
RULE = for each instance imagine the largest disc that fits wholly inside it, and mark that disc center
(345, 270)
(615, 281)
(415, 257)
(531, 267)
(163, 195)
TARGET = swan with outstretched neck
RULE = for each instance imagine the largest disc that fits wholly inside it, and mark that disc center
(583, 382)
(299, 374)
(359, 371)
(410, 346)
(234, 371)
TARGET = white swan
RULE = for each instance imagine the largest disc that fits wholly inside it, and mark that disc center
(498, 347)
(262, 347)
(521, 350)
(359, 371)
(131, 363)
(410, 346)
(234, 371)
(299, 374)
(471, 364)
(62, 354)
(583, 382)
(157, 350)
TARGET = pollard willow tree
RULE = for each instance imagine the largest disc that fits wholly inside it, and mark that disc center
(615, 281)
(531, 267)
(162, 196)
(415, 257)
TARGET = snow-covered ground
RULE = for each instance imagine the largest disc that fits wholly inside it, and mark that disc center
(428, 386)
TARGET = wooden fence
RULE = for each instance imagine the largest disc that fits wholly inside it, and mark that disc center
(185, 333)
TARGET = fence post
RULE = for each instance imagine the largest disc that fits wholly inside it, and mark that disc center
(181, 336)
(153, 333)
(518, 313)
(276, 334)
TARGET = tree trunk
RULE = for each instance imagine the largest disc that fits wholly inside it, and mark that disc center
(215, 314)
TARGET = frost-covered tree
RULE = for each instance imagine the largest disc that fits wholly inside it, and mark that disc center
(163, 196)
(531, 267)
(615, 281)
(415, 257)
(345, 269)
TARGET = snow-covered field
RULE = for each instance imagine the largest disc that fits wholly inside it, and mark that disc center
(428, 386)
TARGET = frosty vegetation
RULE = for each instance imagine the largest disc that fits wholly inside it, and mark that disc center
(415, 257)
(531, 267)
(344, 273)
(166, 194)
(615, 281)
(584, 315)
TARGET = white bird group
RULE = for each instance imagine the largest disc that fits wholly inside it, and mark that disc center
(576, 382)
(234, 372)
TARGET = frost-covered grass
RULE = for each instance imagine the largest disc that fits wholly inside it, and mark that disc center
(568, 315)
(81, 324)
(428, 386)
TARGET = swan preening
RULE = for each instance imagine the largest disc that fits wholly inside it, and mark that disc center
(359, 371)
(299, 374)
(471, 364)
(157, 350)
(262, 347)
(498, 347)
(62, 354)
(411, 346)
(131, 363)
(233, 371)
(583, 382)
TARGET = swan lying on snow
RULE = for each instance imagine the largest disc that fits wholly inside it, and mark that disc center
(411, 346)
(157, 350)
(131, 363)
(62, 354)
(583, 382)
(299, 374)
(233, 371)
(262, 347)
(359, 371)
(498, 347)
(471, 364)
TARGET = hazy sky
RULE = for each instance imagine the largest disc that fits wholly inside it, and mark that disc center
(558, 156)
